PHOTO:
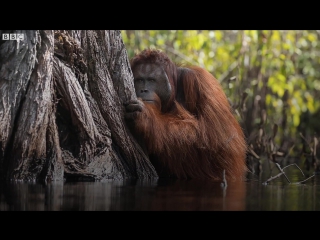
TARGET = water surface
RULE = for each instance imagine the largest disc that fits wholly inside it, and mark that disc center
(166, 195)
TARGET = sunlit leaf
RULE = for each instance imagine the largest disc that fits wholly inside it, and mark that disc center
(311, 37)
(296, 120)
(218, 35)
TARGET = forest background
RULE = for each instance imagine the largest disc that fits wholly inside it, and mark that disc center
(271, 78)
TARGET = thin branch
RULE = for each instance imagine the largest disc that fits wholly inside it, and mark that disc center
(181, 55)
(282, 173)
(290, 150)
(296, 166)
(304, 180)
(271, 178)
(252, 152)
(281, 170)
(224, 76)
(224, 181)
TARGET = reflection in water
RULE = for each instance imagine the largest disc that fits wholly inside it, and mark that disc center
(134, 195)
(280, 197)
(163, 195)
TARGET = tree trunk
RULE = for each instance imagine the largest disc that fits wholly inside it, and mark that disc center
(61, 109)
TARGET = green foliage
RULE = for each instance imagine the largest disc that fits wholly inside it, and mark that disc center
(279, 68)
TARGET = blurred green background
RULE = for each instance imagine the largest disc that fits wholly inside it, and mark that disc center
(271, 77)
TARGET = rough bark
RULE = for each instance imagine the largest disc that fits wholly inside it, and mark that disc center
(61, 110)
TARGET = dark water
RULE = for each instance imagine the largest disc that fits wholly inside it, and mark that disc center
(166, 195)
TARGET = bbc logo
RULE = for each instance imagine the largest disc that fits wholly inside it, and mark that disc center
(13, 36)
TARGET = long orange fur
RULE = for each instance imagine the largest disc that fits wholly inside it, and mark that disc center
(198, 137)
